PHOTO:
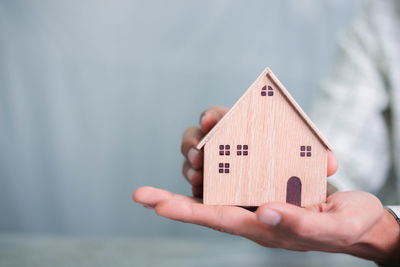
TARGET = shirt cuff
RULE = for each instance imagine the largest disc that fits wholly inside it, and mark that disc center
(395, 210)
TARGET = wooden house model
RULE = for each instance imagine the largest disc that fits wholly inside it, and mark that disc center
(265, 149)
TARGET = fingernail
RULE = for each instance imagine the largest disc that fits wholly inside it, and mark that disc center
(192, 155)
(269, 217)
(190, 173)
(148, 207)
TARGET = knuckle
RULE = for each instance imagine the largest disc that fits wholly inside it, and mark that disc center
(190, 139)
(183, 148)
(220, 222)
(345, 240)
(184, 168)
(189, 132)
(219, 213)
(187, 144)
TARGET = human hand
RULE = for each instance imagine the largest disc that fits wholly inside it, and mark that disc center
(192, 168)
(349, 222)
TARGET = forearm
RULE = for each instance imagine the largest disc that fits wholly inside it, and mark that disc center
(381, 243)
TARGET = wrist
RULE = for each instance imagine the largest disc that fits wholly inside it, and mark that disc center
(381, 243)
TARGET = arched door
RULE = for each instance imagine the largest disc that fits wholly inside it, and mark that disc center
(293, 191)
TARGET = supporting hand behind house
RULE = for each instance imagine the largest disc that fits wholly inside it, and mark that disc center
(349, 222)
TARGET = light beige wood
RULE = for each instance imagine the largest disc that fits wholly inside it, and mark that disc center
(268, 72)
(274, 128)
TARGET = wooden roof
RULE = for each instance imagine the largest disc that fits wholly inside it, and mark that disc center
(286, 94)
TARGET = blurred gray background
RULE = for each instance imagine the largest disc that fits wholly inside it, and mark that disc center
(95, 95)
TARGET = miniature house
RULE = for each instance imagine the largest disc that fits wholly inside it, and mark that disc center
(265, 149)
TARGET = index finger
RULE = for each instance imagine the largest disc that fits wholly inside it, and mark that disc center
(229, 219)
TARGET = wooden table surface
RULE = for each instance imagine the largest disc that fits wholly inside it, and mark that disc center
(52, 250)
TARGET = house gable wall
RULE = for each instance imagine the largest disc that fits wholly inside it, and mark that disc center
(274, 133)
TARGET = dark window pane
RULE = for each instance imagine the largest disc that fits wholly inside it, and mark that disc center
(221, 152)
(227, 153)
(308, 148)
(226, 170)
(239, 153)
(270, 93)
(221, 147)
(270, 88)
(221, 170)
(303, 148)
(245, 153)
(227, 147)
(245, 147)
(302, 154)
(263, 93)
(264, 88)
(308, 154)
(239, 146)
(221, 165)
(226, 165)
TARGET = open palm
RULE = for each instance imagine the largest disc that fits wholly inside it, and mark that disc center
(339, 223)
(348, 222)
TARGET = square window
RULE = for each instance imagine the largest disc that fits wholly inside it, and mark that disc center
(224, 150)
(223, 168)
(242, 150)
(263, 93)
(305, 151)
(270, 93)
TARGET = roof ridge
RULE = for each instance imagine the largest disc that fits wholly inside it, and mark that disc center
(286, 94)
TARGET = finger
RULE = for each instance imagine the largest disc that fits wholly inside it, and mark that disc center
(233, 220)
(194, 177)
(191, 138)
(150, 196)
(197, 191)
(332, 163)
(210, 117)
(195, 158)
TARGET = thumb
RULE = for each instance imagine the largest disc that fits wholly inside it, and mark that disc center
(332, 163)
(278, 214)
(293, 219)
